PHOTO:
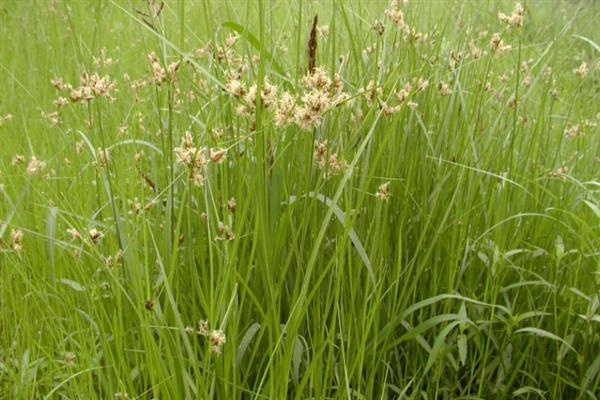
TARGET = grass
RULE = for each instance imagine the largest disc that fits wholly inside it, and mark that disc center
(450, 249)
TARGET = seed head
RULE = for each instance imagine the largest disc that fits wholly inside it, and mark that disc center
(35, 166)
(16, 238)
(217, 340)
(383, 192)
(515, 20)
(498, 46)
(95, 235)
(582, 70)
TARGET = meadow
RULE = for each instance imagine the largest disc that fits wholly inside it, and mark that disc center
(332, 199)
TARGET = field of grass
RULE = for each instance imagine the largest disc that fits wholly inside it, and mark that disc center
(299, 199)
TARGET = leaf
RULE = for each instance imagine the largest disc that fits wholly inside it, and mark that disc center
(136, 141)
(13, 208)
(529, 314)
(297, 358)
(341, 216)
(589, 41)
(73, 285)
(50, 236)
(560, 248)
(562, 351)
(593, 207)
(439, 346)
(462, 348)
(426, 325)
(435, 299)
(528, 390)
(245, 342)
(546, 334)
(462, 313)
(591, 373)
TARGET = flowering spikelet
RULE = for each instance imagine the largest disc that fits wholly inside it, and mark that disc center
(69, 358)
(372, 92)
(102, 157)
(582, 70)
(158, 72)
(17, 159)
(216, 337)
(203, 327)
(422, 84)
(171, 71)
(397, 16)
(73, 233)
(234, 86)
(284, 112)
(335, 165)
(91, 87)
(59, 84)
(103, 60)
(231, 205)
(515, 20)
(404, 93)
(217, 340)
(443, 89)
(323, 30)
(217, 155)
(232, 39)
(225, 232)
(474, 51)
(560, 172)
(16, 239)
(35, 166)
(498, 46)
(320, 152)
(51, 117)
(574, 131)
(268, 94)
(383, 191)
(317, 80)
(192, 157)
(95, 235)
(314, 104)
(316, 100)
(389, 110)
(60, 102)
(378, 27)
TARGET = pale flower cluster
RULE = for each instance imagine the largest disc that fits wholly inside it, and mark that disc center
(582, 70)
(159, 74)
(514, 20)
(216, 337)
(498, 46)
(16, 239)
(91, 87)
(192, 157)
(35, 166)
(5, 118)
(396, 15)
(383, 191)
(329, 162)
(320, 94)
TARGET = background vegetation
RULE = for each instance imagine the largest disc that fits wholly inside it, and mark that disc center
(424, 224)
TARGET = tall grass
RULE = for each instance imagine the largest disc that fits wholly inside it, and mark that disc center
(423, 223)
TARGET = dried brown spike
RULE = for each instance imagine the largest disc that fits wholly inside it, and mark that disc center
(147, 180)
(312, 47)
